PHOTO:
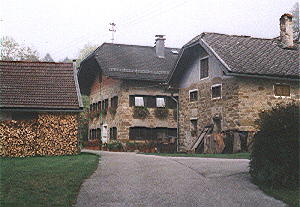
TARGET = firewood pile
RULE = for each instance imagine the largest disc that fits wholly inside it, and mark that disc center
(50, 135)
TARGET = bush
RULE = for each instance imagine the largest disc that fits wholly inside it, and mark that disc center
(161, 112)
(140, 112)
(275, 156)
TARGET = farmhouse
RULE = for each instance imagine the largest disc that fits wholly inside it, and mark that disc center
(39, 107)
(124, 83)
(224, 81)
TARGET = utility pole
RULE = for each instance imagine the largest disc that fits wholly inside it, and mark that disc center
(112, 30)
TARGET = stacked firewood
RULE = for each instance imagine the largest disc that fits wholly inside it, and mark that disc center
(49, 135)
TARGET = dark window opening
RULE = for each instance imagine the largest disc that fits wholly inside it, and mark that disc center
(282, 90)
(113, 133)
(114, 102)
(158, 134)
(216, 91)
(105, 104)
(204, 68)
(194, 130)
(193, 96)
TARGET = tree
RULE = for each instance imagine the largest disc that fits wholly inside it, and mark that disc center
(275, 155)
(48, 58)
(85, 51)
(295, 13)
(12, 51)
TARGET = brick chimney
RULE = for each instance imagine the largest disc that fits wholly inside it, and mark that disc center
(286, 30)
(160, 46)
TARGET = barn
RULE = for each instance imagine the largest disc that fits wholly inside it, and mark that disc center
(39, 107)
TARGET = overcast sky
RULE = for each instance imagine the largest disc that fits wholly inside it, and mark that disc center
(63, 27)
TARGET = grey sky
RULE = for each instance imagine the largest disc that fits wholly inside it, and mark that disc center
(62, 27)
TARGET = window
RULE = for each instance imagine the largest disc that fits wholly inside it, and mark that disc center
(114, 102)
(139, 101)
(194, 127)
(216, 91)
(282, 90)
(204, 68)
(105, 104)
(160, 102)
(193, 95)
(113, 133)
(137, 133)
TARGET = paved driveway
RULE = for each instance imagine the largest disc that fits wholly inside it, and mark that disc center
(129, 179)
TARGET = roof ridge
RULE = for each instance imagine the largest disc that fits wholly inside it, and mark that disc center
(136, 45)
(234, 35)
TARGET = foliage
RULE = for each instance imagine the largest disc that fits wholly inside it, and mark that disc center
(161, 112)
(12, 51)
(44, 181)
(295, 13)
(140, 112)
(113, 146)
(275, 154)
(93, 143)
(85, 51)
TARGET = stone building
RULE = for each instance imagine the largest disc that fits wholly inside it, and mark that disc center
(224, 81)
(39, 107)
(123, 78)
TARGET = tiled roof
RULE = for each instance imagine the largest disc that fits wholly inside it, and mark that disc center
(127, 62)
(38, 85)
(247, 55)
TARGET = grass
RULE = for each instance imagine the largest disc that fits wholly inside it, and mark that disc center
(224, 156)
(288, 196)
(44, 181)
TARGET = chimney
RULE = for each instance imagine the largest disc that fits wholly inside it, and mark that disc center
(286, 30)
(160, 46)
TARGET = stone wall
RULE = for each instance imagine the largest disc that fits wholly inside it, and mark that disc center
(123, 119)
(206, 108)
(242, 100)
(256, 95)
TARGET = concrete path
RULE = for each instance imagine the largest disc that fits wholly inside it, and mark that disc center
(129, 179)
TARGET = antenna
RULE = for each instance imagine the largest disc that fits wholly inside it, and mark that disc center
(112, 30)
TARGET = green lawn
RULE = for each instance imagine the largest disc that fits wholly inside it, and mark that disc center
(44, 181)
(224, 156)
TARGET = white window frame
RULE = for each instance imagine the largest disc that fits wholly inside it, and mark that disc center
(281, 96)
(160, 102)
(206, 57)
(213, 86)
(190, 91)
(139, 101)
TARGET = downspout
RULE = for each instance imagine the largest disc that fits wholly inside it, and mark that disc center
(100, 81)
(177, 119)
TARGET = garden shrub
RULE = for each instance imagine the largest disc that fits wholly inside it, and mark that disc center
(274, 159)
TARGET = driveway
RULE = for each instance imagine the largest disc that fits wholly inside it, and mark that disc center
(129, 179)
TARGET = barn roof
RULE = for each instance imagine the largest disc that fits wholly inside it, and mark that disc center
(39, 86)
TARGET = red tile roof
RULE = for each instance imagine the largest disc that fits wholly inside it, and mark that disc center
(38, 85)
